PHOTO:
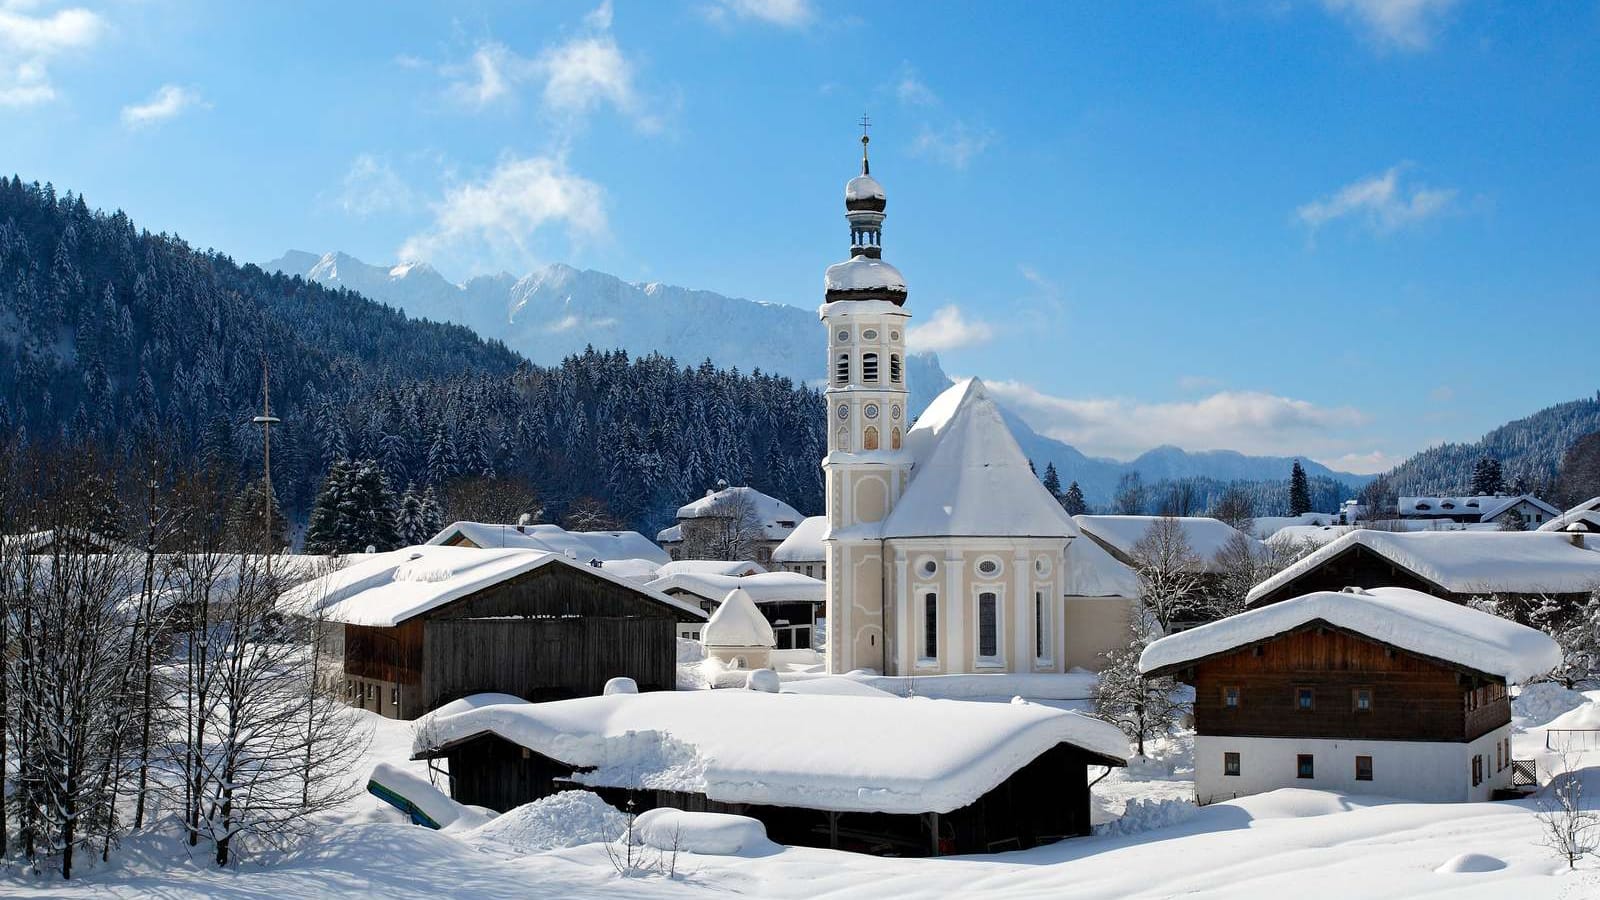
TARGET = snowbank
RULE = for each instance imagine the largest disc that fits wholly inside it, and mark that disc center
(1471, 862)
(713, 834)
(820, 752)
(1399, 617)
(1538, 703)
(567, 819)
(1143, 815)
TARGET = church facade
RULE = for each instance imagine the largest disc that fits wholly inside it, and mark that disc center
(944, 552)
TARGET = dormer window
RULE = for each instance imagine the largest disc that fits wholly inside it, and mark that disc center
(1446, 505)
(1423, 506)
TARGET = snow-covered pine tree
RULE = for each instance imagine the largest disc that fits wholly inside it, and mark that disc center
(355, 510)
(1299, 491)
(1072, 501)
(1488, 478)
(1052, 481)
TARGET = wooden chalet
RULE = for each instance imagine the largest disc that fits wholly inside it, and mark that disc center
(406, 631)
(1389, 691)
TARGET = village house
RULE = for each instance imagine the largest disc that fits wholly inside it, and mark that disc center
(1581, 519)
(583, 546)
(802, 552)
(877, 774)
(792, 604)
(1389, 691)
(1482, 509)
(1514, 566)
(405, 631)
(730, 523)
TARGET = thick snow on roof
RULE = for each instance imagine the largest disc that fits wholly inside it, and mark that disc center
(766, 587)
(737, 623)
(1291, 536)
(1484, 505)
(1587, 511)
(1092, 572)
(385, 589)
(734, 567)
(804, 544)
(669, 534)
(863, 187)
(826, 752)
(1264, 527)
(1410, 620)
(1465, 562)
(581, 545)
(1205, 535)
(970, 478)
(777, 518)
(862, 273)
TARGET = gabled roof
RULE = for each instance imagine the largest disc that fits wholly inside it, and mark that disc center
(580, 545)
(766, 587)
(1586, 512)
(737, 623)
(815, 751)
(776, 517)
(1206, 536)
(1464, 562)
(969, 478)
(1501, 504)
(385, 589)
(1092, 572)
(710, 567)
(1398, 617)
(804, 544)
(1485, 506)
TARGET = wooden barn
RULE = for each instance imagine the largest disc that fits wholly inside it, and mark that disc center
(1389, 691)
(872, 774)
(1452, 565)
(406, 631)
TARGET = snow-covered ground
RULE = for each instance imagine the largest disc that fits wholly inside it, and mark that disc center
(1304, 844)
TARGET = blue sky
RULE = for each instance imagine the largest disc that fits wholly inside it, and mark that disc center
(1339, 228)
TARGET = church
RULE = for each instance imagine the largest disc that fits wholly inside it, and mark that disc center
(944, 553)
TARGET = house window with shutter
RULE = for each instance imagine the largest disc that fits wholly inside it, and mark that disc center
(1230, 697)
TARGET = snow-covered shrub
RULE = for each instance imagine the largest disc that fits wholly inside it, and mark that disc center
(566, 819)
(715, 834)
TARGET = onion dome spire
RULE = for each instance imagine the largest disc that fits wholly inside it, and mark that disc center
(865, 276)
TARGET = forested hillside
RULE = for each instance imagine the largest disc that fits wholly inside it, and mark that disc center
(1529, 451)
(117, 337)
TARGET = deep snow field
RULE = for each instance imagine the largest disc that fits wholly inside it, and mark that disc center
(1288, 844)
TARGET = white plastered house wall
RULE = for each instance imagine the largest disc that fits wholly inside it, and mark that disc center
(1434, 771)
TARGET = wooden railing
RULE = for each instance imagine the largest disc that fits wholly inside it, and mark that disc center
(1572, 740)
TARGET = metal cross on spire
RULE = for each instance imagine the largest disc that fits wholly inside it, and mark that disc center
(866, 123)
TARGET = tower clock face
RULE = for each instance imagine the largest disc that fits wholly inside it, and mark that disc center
(871, 410)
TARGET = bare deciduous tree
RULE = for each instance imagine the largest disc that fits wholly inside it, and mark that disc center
(1571, 829)
(1169, 570)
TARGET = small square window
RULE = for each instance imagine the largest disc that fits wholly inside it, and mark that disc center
(1230, 764)
(1363, 768)
(1305, 698)
(1230, 697)
(1361, 699)
(1304, 766)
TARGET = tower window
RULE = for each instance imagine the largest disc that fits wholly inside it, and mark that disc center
(894, 439)
(869, 367)
(894, 368)
(930, 626)
(988, 625)
(869, 438)
(869, 335)
(841, 368)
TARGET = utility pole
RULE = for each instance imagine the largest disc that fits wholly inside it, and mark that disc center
(266, 420)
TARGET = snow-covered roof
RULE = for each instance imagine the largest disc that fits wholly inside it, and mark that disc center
(777, 518)
(1206, 536)
(385, 589)
(1291, 536)
(804, 544)
(710, 567)
(829, 752)
(1585, 512)
(1465, 562)
(969, 477)
(737, 623)
(1399, 617)
(580, 545)
(863, 187)
(670, 534)
(1263, 527)
(641, 571)
(1092, 572)
(863, 273)
(1486, 506)
(766, 587)
(1492, 510)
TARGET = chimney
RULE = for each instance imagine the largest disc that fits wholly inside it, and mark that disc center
(1577, 538)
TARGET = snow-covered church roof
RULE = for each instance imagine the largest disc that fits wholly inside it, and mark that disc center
(863, 273)
(969, 477)
(863, 187)
(1399, 617)
(1092, 572)
(1206, 536)
(1465, 562)
(580, 545)
(815, 751)
(804, 544)
(737, 623)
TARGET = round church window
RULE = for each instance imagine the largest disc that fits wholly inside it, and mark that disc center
(894, 335)
(871, 410)
(894, 412)
(989, 566)
(928, 566)
(870, 334)
(844, 412)
(844, 336)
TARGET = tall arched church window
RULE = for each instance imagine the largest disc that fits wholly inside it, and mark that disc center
(988, 626)
(930, 626)
(869, 440)
(842, 439)
(894, 439)
(841, 368)
(894, 368)
(869, 367)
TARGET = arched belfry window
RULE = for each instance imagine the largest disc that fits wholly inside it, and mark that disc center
(894, 439)
(894, 368)
(842, 439)
(869, 367)
(869, 439)
(841, 368)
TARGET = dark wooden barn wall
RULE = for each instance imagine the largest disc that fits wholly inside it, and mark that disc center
(545, 659)
(558, 590)
(385, 654)
(1356, 566)
(1413, 698)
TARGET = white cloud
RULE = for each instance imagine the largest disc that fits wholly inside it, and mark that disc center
(911, 89)
(372, 186)
(29, 42)
(1406, 24)
(1253, 422)
(954, 145)
(1193, 383)
(1379, 200)
(587, 72)
(166, 103)
(947, 329)
(487, 76)
(1362, 463)
(493, 222)
(783, 13)
(600, 17)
